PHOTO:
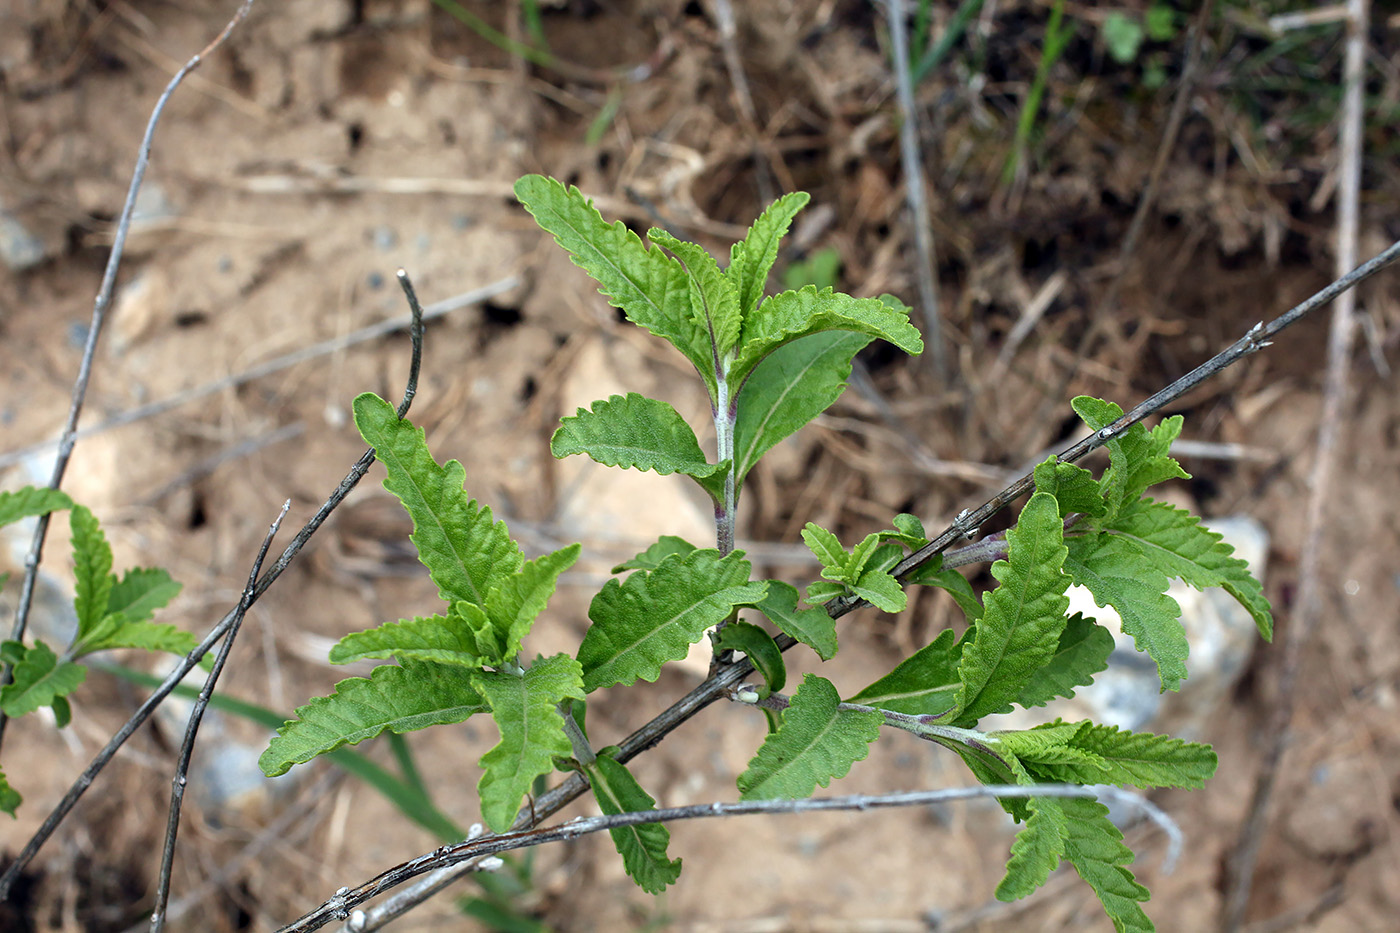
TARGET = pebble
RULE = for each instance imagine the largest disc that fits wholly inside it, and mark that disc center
(19, 248)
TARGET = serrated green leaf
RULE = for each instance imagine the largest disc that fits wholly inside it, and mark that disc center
(923, 684)
(762, 651)
(823, 591)
(1137, 458)
(466, 553)
(908, 530)
(1118, 574)
(10, 798)
(859, 558)
(62, 712)
(654, 616)
(817, 742)
(518, 600)
(642, 847)
(92, 568)
(140, 592)
(714, 302)
(525, 708)
(931, 573)
(827, 549)
(640, 433)
(1074, 488)
(813, 627)
(445, 639)
(652, 557)
(149, 636)
(1137, 758)
(399, 698)
(1082, 652)
(752, 257)
(1021, 619)
(649, 286)
(792, 385)
(1094, 846)
(1183, 547)
(881, 590)
(31, 501)
(789, 315)
(1037, 851)
(38, 679)
(11, 651)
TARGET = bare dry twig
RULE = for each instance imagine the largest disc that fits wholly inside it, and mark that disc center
(99, 318)
(188, 663)
(474, 851)
(182, 767)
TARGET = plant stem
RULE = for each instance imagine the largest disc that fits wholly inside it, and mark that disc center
(725, 415)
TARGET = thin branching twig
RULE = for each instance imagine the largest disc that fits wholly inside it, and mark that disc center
(924, 261)
(182, 766)
(188, 662)
(1309, 605)
(473, 851)
(99, 319)
(277, 364)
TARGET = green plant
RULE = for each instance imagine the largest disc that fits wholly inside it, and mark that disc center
(1124, 33)
(1057, 36)
(769, 366)
(111, 613)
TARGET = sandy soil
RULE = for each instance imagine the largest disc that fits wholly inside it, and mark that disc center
(332, 142)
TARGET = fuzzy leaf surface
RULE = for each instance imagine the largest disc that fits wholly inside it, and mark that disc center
(826, 547)
(525, 708)
(39, 679)
(881, 590)
(633, 431)
(813, 627)
(1141, 759)
(925, 683)
(30, 501)
(714, 302)
(762, 651)
(1021, 619)
(518, 600)
(654, 616)
(792, 385)
(651, 558)
(1037, 851)
(444, 639)
(650, 287)
(140, 592)
(465, 551)
(1137, 458)
(1082, 652)
(399, 698)
(1183, 547)
(1118, 574)
(117, 632)
(787, 316)
(1073, 487)
(1095, 848)
(642, 847)
(751, 259)
(92, 569)
(816, 742)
